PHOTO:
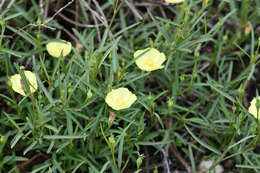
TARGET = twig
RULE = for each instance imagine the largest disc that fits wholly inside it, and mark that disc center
(152, 3)
(77, 15)
(144, 4)
(33, 25)
(97, 28)
(104, 18)
(94, 12)
(43, 25)
(65, 6)
(41, 9)
(161, 2)
(165, 151)
(165, 159)
(30, 161)
(2, 3)
(10, 4)
(163, 12)
(245, 100)
(175, 152)
(146, 159)
(101, 12)
(76, 23)
(180, 159)
(46, 9)
(95, 15)
(204, 66)
(71, 35)
(133, 9)
(101, 17)
(150, 14)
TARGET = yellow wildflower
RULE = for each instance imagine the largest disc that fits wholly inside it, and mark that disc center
(120, 98)
(149, 59)
(253, 107)
(55, 48)
(174, 1)
(18, 85)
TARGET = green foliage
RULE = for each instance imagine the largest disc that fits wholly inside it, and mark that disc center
(197, 103)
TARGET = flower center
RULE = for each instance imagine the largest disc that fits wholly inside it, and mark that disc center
(120, 102)
(149, 63)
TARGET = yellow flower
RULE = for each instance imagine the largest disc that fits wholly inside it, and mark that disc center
(174, 1)
(149, 59)
(120, 98)
(18, 85)
(253, 107)
(55, 48)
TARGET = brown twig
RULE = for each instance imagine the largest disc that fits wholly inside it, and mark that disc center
(77, 14)
(101, 12)
(165, 159)
(93, 12)
(182, 161)
(77, 24)
(146, 158)
(101, 17)
(152, 3)
(46, 9)
(163, 12)
(25, 164)
(41, 8)
(165, 151)
(97, 28)
(174, 151)
(150, 14)
(71, 35)
(133, 9)
(65, 6)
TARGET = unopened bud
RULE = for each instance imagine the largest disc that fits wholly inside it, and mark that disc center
(225, 37)
(2, 138)
(79, 47)
(248, 28)
(111, 118)
(2, 21)
(197, 54)
(89, 94)
(182, 77)
(139, 160)
(205, 3)
(170, 103)
(111, 140)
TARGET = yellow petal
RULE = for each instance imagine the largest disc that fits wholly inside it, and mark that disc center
(120, 98)
(149, 59)
(56, 48)
(174, 1)
(18, 85)
(253, 108)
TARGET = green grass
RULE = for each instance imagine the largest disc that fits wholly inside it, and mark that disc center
(196, 107)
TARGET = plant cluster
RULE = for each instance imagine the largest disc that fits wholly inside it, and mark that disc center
(129, 86)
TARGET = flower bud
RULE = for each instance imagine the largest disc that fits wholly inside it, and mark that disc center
(139, 160)
(111, 118)
(111, 140)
